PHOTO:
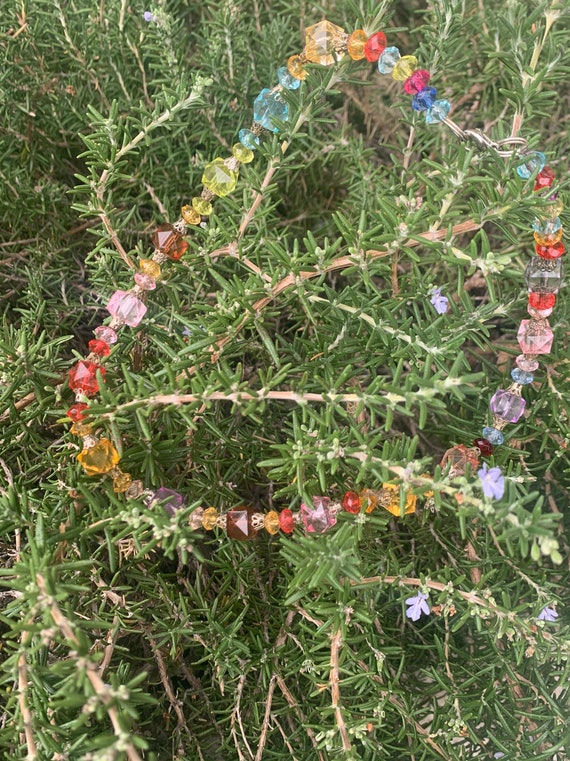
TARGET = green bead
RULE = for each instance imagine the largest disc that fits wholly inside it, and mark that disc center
(219, 178)
(242, 154)
(203, 207)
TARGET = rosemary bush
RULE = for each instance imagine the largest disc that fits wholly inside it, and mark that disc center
(294, 351)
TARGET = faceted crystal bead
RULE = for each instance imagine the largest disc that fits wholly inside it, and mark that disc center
(551, 252)
(171, 500)
(321, 41)
(319, 518)
(533, 162)
(459, 458)
(506, 405)
(392, 505)
(296, 67)
(271, 522)
(99, 459)
(424, 99)
(404, 67)
(388, 60)
(438, 112)
(484, 446)
(195, 519)
(547, 226)
(417, 81)
(75, 412)
(242, 154)
(544, 178)
(375, 46)
(548, 240)
(541, 300)
(210, 518)
(150, 268)
(219, 178)
(535, 337)
(267, 106)
(528, 364)
(287, 80)
(355, 44)
(121, 482)
(238, 523)
(105, 333)
(169, 241)
(544, 275)
(99, 347)
(551, 210)
(521, 376)
(202, 205)
(135, 490)
(351, 502)
(126, 307)
(286, 522)
(493, 435)
(369, 500)
(83, 377)
(539, 314)
(146, 282)
(248, 139)
(190, 215)
(81, 429)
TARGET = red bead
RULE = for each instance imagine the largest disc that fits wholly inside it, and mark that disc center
(83, 377)
(96, 346)
(417, 81)
(75, 412)
(375, 46)
(286, 522)
(351, 502)
(169, 241)
(550, 252)
(544, 178)
(484, 446)
(541, 300)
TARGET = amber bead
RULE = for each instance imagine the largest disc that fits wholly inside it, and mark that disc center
(150, 268)
(75, 412)
(80, 429)
(190, 215)
(238, 523)
(169, 242)
(286, 522)
(393, 505)
(321, 42)
(296, 67)
(99, 459)
(210, 518)
(121, 482)
(271, 522)
(355, 44)
(368, 500)
(351, 502)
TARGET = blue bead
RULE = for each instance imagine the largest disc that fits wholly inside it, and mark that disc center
(521, 376)
(547, 226)
(287, 80)
(424, 99)
(268, 106)
(534, 162)
(388, 59)
(493, 436)
(438, 112)
(249, 139)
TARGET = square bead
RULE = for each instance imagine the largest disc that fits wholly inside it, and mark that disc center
(239, 524)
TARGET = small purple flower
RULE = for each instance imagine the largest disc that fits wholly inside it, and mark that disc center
(148, 16)
(418, 605)
(440, 302)
(547, 614)
(492, 481)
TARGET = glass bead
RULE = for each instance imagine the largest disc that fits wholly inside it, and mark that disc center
(535, 337)
(438, 112)
(548, 240)
(210, 518)
(75, 412)
(286, 521)
(533, 162)
(267, 106)
(416, 82)
(296, 67)
(404, 67)
(81, 429)
(146, 282)
(121, 483)
(99, 347)
(351, 502)
(190, 215)
(528, 364)
(544, 275)
(83, 377)
(369, 500)
(551, 210)
(271, 522)
(317, 519)
(195, 519)
(484, 446)
(321, 41)
(150, 268)
(219, 178)
(171, 500)
(547, 226)
(202, 206)
(459, 458)
(493, 435)
(388, 60)
(539, 314)
(392, 505)
(506, 405)
(544, 178)
(125, 306)
(248, 139)
(522, 377)
(238, 523)
(135, 490)
(551, 252)
(541, 300)
(287, 80)
(355, 44)
(375, 46)
(424, 99)
(242, 154)
(99, 459)
(105, 333)
(169, 241)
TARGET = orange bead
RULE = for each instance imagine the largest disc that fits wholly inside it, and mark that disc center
(394, 505)
(99, 459)
(355, 45)
(210, 518)
(271, 522)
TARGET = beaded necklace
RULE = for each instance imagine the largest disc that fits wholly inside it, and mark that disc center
(325, 44)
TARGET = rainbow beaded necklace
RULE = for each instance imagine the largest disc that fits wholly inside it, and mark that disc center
(325, 44)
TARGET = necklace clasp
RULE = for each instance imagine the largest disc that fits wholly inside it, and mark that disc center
(509, 146)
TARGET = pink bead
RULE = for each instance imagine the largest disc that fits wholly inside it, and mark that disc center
(105, 333)
(417, 81)
(317, 519)
(528, 364)
(539, 314)
(125, 306)
(535, 337)
(146, 282)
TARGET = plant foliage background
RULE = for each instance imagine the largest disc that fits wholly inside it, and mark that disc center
(124, 633)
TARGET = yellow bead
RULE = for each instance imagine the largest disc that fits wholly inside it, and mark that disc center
(551, 211)
(202, 206)
(121, 482)
(321, 42)
(99, 459)
(271, 522)
(190, 215)
(150, 268)
(219, 178)
(210, 518)
(242, 154)
(355, 45)
(296, 68)
(394, 505)
(80, 429)
(369, 500)
(404, 67)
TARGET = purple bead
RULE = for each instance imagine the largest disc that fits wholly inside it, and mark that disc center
(125, 306)
(172, 500)
(317, 519)
(506, 405)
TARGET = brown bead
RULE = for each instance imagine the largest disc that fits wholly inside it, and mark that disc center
(239, 523)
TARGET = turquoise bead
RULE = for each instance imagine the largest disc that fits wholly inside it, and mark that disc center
(534, 162)
(521, 376)
(438, 112)
(249, 139)
(287, 80)
(493, 436)
(547, 226)
(268, 106)
(388, 59)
